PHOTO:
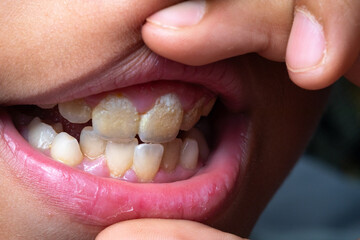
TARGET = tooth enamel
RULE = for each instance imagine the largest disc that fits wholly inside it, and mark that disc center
(189, 154)
(40, 135)
(58, 127)
(198, 136)
(46, 106)
(66, 149)
(115, 117)
(91, 144)
(208, 107)
(162, 122)
(119, 157)
(76, 111)
(192, 116)
(171, 154)
(147, 159)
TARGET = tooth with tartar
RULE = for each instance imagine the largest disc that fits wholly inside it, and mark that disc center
(208, 107)
(147, 159)
(192, 116)
(66, 149)
(91, 144)
(40, 135)
(119, 157)
(189, 154)
(115, 118)
(171, 154)
(161, 123)
(76, 111)
(197, 135)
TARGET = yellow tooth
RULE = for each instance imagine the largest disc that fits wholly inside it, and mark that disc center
(115, 118)
(58, 127)
(197, 135)
(66, 149)
(46, 106)
(91, 144)
(192, 116)
(171, 154)
(162, 123)
(40, 135)
(147, 159)
(119, 157)
(189, 154)
(208, 107)
(76, 111)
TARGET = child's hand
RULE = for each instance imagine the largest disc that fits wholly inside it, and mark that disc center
(320, 44)
(161, 229)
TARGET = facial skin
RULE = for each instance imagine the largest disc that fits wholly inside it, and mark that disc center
(49, 47)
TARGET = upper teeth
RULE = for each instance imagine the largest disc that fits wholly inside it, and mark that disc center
(76, 111)
(40, 135)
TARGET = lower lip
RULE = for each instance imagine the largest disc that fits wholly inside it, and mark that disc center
(104, 201)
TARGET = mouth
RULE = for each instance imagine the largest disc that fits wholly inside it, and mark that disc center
(151, 144)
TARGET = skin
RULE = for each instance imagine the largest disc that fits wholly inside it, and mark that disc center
(94, 36)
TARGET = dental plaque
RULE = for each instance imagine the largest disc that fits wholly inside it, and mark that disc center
(111, 135)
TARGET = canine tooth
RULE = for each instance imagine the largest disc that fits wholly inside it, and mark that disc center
(76, 111)
(119, 157)
(40, 135)
(189, 154)
(162, 122)
(197, 135)
(115, 118)
(147, 159)
(66, 149)
(208, 107)
(192, 116)
(91, 144)
(171, 154)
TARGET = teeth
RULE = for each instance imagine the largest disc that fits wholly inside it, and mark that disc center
(66, 149)
(192, 116)
(115, 118)
(119, 157)
(147, 159)
(162, 122)
(197, 135)
(171, 154)
(58, 127)
(40, 135)
(76, 111)
(208, 107)
(189, 154)
(46, 106)
(91, 144)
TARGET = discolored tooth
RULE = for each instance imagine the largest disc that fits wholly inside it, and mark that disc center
(162, 123)
(115, 117)
(58, 127)
(46, 106)
(171, 154)
(40, 135)
(119, 157)
(66, 149)
(189, 154)
(147, 159)
(76, 111)
(91, 144)
(197, 135)
(192, 116)
(208, 107)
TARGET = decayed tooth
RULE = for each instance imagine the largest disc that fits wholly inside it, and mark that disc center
(40, 135)
(189, 154)
(115, 117)
(119, 157)
(162, 123)
(208, 107)
(192, 116)
(58, 127)
(197, 135)
(171, 154)
(66, 149)
(147, 159)
(76, 111)
(91, 144)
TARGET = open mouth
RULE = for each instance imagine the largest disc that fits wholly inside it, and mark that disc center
(153, 149)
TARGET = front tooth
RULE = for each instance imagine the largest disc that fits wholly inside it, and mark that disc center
(40, 135)
(66, 149)
(162, 122)
(197, 135)
(192, 116)
(171, 154)
(208, 107)
(115, 117)
(76, 111)
(147, 159)
(189, 154)
(91, 144)
(119, 157)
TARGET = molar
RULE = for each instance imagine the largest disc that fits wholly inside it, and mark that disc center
(66, 149)
(40, 135)
(189, 154)
(171, 154)
(91, 144)
(76, 111)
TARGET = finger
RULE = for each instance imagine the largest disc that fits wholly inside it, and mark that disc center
(161, 229)
(200, 32)
(324, 41)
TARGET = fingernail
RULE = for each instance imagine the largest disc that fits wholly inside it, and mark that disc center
(307, 47)
(181, 15)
